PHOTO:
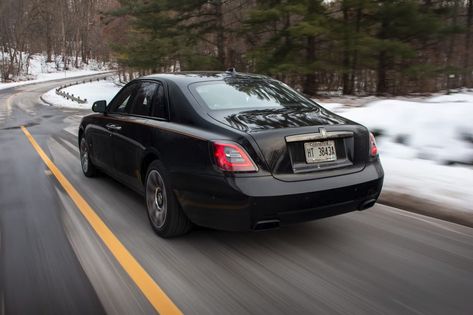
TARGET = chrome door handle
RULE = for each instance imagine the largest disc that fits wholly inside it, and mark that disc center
(113, 127)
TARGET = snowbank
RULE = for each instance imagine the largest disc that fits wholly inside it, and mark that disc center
(438, 128)
(418, 140)
(451, 186)
(39, 71)
(95, 91)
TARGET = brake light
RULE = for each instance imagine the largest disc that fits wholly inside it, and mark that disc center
(233, 158)
(373, 147)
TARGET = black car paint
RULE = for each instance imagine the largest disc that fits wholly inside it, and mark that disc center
(233, 201)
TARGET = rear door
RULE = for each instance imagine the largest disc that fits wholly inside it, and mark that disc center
(135, 136)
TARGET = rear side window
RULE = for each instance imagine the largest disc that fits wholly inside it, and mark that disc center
(122, 102)
(143, 102)
(160, 108)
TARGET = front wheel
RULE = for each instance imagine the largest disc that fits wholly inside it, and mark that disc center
(87, 167)
(164, 212)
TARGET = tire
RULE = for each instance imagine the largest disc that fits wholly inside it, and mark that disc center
(164, 212)
(88, 168)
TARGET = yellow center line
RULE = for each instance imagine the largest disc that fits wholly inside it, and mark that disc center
(155, 295)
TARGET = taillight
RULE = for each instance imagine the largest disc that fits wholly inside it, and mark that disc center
(232, 158)
(373, 147)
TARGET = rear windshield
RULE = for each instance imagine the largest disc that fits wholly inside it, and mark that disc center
(255, 94)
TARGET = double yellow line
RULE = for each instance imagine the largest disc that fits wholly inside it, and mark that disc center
(155, 295)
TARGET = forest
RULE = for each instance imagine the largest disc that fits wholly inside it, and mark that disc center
(351, 47)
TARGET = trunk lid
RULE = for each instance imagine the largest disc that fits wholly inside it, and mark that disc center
(281, 134)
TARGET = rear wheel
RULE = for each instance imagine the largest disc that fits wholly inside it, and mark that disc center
(164, 213)
(88, 168)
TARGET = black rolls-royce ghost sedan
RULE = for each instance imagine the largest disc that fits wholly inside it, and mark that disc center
(230, 151)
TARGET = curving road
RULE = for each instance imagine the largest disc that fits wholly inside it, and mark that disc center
(380, 261)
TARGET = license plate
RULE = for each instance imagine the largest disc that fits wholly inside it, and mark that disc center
(320, 151)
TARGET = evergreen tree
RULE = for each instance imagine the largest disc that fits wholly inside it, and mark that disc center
(167, 33)
(357, 46)
(403, 27)
(289, 33)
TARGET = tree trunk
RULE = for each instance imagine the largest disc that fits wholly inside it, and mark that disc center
(310, 84)
(451, 77)
(49, 45)
(354, 63)
(346, 51)
(221, 54)
(467, 55)
(381, 88)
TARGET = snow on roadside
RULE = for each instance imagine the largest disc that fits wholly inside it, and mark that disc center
(446, 185)
(416, 140)
(438, 129)
(39, 71)
(94, 91)
(43, 77)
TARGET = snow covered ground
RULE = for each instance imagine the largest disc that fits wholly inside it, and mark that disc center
(426, 146)
(42, 77)
(95, 91)
(450, 187)
(39, 71)
(439, 128)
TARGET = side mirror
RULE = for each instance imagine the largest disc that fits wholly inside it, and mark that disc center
(99, 106)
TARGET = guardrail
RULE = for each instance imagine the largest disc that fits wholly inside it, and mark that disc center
(72, 97)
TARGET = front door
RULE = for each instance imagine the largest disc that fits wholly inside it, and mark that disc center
(135, 135)
(102, 134)
(100, 142)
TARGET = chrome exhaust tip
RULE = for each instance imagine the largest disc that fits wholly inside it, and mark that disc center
(266, 225)
(367, 204)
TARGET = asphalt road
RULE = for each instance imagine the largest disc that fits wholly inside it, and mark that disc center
(379, 261)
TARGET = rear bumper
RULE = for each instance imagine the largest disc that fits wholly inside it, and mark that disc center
(263, 202)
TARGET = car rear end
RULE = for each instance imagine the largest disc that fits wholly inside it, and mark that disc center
(289, 164)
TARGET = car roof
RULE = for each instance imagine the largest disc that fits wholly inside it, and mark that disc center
(188, 77)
